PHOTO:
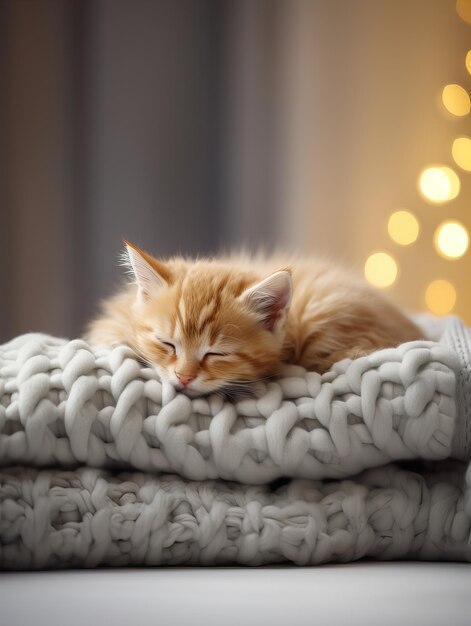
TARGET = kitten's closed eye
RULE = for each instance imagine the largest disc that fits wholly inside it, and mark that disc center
(218, 355)
(168, 344)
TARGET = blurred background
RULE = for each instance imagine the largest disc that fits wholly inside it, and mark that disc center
(194, 126)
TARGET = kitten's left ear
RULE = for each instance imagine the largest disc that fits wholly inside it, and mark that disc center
(270, 298)
(149, 274)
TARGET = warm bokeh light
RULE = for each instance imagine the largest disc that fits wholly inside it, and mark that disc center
(451, 239)
(456, 100)
(468, 61)
(439, 184)
(440, 297)
(403, 227)
(381, 269)
(461, 152)
(463, 8)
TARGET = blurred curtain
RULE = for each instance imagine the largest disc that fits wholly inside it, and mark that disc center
(110, 130)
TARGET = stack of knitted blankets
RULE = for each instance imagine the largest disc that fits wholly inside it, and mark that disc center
(102, 464)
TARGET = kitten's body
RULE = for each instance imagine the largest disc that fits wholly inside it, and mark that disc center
(197, 305)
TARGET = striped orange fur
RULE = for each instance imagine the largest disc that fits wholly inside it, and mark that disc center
(223, 323)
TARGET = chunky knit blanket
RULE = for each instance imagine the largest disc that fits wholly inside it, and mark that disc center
(78, 421)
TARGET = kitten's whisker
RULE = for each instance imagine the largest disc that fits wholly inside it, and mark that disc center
(146, 362)
(251, 381)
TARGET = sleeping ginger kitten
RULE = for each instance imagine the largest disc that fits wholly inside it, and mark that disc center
(215, 324)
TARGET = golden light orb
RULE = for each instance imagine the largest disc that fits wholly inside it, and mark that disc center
(439, 184)
(463, 8)
(451, 239)
(381, 269)
(440, 297)
(468, 61)
(403, 227)
(456, 100)
(461, 152)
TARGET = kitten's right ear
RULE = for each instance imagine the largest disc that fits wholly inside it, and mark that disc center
(149, 274)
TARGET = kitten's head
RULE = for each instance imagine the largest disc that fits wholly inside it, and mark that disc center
(206, 326)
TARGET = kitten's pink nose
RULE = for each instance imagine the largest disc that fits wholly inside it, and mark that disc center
(185, 379)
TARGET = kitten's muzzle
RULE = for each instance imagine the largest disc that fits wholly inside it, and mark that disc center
(185, 379)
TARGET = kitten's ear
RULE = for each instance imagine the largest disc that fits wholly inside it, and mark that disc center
(149, 274)
(270, 298)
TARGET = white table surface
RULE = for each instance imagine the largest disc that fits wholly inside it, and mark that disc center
(383, 594)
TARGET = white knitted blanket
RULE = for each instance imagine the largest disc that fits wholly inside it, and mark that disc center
(68, 404)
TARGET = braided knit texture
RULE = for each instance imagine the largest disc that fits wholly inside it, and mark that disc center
(68, 403)
(88, 518)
